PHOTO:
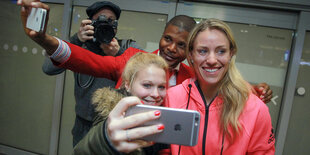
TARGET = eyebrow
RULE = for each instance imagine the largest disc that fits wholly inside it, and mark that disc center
(203, 46)
(153, 82)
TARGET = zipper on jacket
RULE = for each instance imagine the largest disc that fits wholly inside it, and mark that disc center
(206, 117)
(188, 97)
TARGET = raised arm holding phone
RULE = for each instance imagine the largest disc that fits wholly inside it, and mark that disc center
(96, 34)
(48, 42)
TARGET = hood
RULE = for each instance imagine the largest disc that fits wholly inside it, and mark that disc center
(105, 99)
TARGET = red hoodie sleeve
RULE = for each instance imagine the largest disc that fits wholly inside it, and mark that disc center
(86, 62)
(262, 140)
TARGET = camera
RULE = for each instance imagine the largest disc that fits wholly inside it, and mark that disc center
(104, 29)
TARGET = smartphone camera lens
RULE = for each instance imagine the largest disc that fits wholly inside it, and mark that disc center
(196, 118)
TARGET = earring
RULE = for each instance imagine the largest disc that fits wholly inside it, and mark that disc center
(192, 61)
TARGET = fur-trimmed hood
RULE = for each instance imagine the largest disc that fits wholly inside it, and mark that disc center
(105, 99)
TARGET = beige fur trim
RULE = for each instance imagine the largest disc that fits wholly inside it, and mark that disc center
(105, 99)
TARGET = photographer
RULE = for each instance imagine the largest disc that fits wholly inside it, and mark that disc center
(96, 34)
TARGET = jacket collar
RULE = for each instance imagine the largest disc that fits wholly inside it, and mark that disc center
(196, 96)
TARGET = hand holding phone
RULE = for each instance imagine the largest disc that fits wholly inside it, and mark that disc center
(36, 19)
(181, 126)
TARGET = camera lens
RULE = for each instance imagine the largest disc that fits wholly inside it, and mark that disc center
(104, 33)
(104, 29)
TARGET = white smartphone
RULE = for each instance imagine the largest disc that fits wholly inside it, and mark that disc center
(36, 19)
(181, 126)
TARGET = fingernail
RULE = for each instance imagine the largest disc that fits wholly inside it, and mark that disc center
(157, 113)
(160, 127)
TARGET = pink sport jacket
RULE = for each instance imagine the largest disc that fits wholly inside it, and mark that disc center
(256, 136)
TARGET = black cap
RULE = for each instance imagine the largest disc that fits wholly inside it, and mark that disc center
(94, 8)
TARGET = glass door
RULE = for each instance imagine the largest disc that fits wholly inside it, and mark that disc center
(298, 135)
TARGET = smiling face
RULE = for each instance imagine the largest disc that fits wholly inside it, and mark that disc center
(149, 85)
(172, 45)
(211, 55)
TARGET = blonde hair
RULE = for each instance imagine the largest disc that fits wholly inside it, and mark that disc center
(140, 61)
(233, 88)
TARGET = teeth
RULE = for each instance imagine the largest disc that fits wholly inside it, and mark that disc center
(152, 102)
(211, 70)
(169, 58)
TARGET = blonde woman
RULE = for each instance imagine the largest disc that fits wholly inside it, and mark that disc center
(233, 119)
(145, 76)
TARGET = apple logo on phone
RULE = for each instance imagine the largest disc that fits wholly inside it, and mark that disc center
(177, 127)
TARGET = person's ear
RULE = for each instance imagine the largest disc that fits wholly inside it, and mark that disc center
(191, 61)
(127, 86)
(232, 52)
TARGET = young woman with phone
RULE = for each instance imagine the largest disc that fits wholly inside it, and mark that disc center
(145, 76)
(233, 120)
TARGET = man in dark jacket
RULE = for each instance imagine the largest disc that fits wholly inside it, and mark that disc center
(107, 13)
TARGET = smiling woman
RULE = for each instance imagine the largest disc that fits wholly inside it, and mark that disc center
(231, 115)
(145, 76)
(211, 56)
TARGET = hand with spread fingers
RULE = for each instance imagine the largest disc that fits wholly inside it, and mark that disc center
(263, 92)
(123, 131)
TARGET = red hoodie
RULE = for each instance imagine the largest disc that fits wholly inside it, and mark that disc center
(255, 137)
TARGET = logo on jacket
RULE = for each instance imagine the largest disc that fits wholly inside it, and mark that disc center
(177, 127)
(271, 137)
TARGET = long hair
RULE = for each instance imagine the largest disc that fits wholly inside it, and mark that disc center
(140, 61)
(233, 88)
